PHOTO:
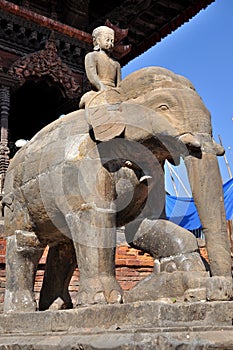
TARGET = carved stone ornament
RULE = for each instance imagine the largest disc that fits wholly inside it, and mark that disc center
(46, 63)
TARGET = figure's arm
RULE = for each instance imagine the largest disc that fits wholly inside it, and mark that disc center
(91, 71)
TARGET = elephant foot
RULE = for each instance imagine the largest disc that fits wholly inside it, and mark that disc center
(183, 262)
(23, 253)
(19, 301)
(101, 290)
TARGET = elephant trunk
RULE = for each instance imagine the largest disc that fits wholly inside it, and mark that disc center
(204, 177)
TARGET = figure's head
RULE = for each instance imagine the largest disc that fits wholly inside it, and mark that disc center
(103, 38)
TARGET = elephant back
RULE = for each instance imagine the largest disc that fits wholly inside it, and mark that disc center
(50, 146)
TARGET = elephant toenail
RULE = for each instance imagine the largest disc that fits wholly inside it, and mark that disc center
(99, 298)
(115, 297)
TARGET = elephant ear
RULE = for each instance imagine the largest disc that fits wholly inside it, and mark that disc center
(106, 120)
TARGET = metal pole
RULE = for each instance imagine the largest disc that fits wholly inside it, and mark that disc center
(179, 179)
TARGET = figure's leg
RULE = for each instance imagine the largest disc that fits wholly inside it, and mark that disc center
(22, 256)
(60, 265)
(93, 230)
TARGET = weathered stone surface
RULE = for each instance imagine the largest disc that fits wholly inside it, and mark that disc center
(181, 285)
(195, 294)
(141, 325)
(141, 314)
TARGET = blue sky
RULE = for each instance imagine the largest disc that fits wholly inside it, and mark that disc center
(202, 51)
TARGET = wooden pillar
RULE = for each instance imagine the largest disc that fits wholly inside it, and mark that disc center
(7, 83)
(4, 149)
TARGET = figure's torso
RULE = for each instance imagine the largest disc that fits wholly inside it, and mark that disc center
(106, 69)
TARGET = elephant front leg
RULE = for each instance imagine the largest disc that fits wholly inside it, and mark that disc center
(94, 242)
(206, 184)
(22, 257)
(93, 230)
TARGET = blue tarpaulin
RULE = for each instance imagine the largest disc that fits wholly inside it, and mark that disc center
(183, 212)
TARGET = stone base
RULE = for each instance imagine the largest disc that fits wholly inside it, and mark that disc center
(140, 325)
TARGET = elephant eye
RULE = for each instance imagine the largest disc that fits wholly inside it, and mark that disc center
(163, 107)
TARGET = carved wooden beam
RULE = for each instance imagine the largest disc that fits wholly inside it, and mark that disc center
(45, 21)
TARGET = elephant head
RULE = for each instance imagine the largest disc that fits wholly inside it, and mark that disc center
(174, 99)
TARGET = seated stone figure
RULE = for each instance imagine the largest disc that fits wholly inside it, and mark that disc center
(102, 70)
(104, 74)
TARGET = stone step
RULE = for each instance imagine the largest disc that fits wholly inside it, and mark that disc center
(139, 325)
(186, 339)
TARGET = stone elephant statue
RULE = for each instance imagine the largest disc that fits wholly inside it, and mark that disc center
(95, 169)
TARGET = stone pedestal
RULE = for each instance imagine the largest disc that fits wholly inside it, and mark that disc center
(139, 325)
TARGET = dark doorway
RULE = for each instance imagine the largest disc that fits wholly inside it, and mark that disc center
(33, 106)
